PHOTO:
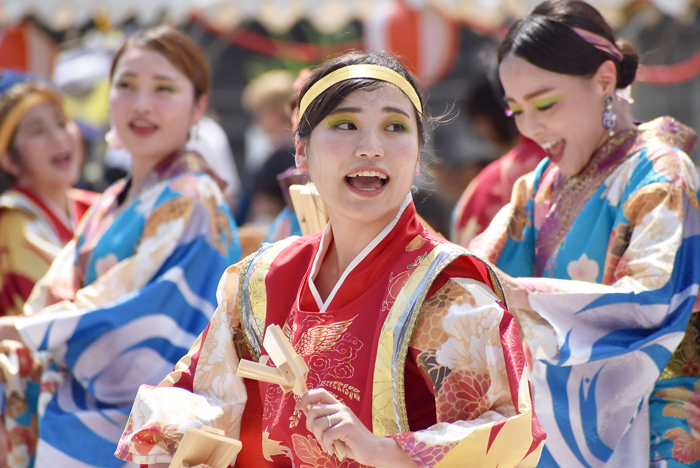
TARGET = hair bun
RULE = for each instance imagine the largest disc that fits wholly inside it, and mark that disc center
(627, 70)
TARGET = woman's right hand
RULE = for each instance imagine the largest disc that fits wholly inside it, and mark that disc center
(329, 421)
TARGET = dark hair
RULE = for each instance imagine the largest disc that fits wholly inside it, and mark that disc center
(486, 102)
(328, 100)
(546, 39)
(177, 48)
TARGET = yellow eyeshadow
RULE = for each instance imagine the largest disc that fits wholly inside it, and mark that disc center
(396, 120)
(338, 119)
(512, 109)
(539, 104)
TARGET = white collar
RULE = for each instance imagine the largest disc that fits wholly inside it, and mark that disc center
(325, 243)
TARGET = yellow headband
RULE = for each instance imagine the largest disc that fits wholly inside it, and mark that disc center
(376, 72)
(10, 123)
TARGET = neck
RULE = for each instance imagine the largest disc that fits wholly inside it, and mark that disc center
(56, 194)
(139, 171)
(141, 166)
(349, 239)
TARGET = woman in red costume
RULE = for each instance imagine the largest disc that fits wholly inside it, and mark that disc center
(41, 152)
(413, 358)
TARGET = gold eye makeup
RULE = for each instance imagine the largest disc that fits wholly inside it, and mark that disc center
(397, 121)
(513, 110)
(337, 119)
(546, 103)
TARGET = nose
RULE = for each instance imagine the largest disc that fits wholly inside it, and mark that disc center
(142, 101)
(529, 125)
(370, 144)
(61, 138)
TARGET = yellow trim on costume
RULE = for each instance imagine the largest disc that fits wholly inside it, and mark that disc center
(257, 291)
(376, 72)
(10, 123)
(385, 417)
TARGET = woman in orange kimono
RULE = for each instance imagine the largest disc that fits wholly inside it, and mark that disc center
(414, 359)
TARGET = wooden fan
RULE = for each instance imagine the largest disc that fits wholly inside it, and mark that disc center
(290, 373)
(207, 447)
(309, 208)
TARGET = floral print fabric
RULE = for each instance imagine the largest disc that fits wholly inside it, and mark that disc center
(32, 233)
(613, 299)
(466, 346)
(122, 303)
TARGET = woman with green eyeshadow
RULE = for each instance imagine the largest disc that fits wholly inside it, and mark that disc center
(413, 360)
(598, 249)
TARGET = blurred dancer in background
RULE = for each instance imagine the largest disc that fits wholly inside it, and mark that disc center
(41, 153)
(267, 98)
(129, 295)
(490, 190)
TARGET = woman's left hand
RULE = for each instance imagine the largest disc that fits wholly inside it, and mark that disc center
(329, 421)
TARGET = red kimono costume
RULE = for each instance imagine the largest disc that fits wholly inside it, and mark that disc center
(413, 339)
(490, 190)
(32, 232)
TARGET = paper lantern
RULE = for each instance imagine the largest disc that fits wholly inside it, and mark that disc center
(27, 48)
(424, 39)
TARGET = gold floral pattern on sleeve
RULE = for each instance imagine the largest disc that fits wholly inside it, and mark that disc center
(649, 197)
(685, 361)
(519, 218)
(429, 334)
(178, 208)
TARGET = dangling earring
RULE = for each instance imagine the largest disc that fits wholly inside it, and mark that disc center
(194, 132)
(112, 139)
(609, 117)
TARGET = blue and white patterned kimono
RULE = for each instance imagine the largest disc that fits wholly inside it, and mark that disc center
(611, 262)
(123, 302)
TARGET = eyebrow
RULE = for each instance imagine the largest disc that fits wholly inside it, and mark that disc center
(531, 95)
(355, 110)
(130, 74)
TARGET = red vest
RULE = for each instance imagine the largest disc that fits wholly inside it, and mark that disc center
(340, 344)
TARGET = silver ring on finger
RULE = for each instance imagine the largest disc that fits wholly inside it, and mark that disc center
(328, 418)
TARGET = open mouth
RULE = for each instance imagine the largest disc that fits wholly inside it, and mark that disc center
(554, 149)
(142, 128)
(62, 160)
(367, 181)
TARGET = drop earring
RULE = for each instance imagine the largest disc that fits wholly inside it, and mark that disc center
(609, 117)
(194, 132)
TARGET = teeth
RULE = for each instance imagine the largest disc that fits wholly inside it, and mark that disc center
(549, 144)
(368, 174)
